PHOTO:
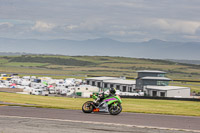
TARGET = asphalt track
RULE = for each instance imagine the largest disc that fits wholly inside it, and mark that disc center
(135, 122)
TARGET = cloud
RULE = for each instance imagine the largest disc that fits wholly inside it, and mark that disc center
(5, 25)
(71, 27)
(42, 26)
(116, 33)
(126, 4)
(92, 23)
(193, 37)
(125, 33)
(177, 26)
(131, 20)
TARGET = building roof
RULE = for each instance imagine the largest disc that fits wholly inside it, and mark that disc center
(151, 87)
(150, 71)
(156, 78)
(121, 81)
(102, 78)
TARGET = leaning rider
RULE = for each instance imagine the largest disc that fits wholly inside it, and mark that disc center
(105, 94)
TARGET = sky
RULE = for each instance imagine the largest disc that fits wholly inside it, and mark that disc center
(122, 20)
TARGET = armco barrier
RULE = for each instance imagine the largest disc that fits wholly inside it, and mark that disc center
(162, 98)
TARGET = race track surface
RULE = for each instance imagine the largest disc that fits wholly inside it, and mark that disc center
(152, 122)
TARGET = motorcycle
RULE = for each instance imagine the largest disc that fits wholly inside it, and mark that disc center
(111, 104)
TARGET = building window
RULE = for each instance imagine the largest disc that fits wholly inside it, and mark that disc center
(161, 75)
(154, 93)
(99, 84)
(111, 85)
(130, 89)
(105, 85)
(162, 94)
(162, 83)
(118, 87)
(124, 89)
(88, 82)
(93, 83)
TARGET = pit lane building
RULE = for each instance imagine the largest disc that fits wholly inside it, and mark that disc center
(152, 83)
(108, 82)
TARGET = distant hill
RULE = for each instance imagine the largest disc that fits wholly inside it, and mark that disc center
(155, 49)
(196, 62)
(11, 53)
(58, 65)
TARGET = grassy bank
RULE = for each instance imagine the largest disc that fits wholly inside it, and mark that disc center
(173, 107)
(194, 86)
(94, 65)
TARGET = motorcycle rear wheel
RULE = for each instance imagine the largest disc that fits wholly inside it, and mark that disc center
(87, 107)
(115, 110)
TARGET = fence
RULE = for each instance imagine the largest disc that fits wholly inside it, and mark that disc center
(162, 98)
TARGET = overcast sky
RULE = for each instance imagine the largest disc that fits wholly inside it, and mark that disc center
(123, 20)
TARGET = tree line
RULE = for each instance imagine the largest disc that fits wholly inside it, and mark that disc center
(51, 60)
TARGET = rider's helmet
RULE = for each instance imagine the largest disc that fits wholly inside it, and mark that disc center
(112, 91)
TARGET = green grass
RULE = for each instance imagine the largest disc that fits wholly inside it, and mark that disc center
(98, 66)
(194, 86)
(172, 107)
(2, 61)
(25, 64)
(42, 101)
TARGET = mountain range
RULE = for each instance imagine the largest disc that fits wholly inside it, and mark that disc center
(154, 49)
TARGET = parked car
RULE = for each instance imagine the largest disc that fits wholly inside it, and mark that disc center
(36, 92)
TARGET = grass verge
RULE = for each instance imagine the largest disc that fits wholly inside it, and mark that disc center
(172, 107)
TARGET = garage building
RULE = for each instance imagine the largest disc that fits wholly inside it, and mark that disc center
(98, 81)
(109, 82)
(120, 84)
(167, 91)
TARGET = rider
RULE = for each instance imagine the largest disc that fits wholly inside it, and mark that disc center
(105, 94)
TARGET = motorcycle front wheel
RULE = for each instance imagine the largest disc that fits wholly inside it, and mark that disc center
(115, 109)
(87, 107)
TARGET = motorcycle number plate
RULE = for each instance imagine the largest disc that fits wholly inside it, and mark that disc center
(96, 110)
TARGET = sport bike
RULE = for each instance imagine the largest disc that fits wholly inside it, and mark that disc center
(111, 104)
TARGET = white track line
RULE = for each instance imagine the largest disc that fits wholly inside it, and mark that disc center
(101, 123)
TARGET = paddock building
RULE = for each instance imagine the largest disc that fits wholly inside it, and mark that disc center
(109, 82)
(167, 91)
(151, 82)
